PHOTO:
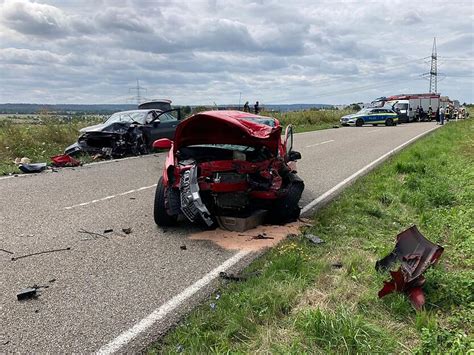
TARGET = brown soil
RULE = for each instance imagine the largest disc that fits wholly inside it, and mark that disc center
(247, 240)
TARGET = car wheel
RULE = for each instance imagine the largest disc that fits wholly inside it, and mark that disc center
(286, 209)
(142, 147)
(375, 124)
(162, 218)
(359, 122)
(389, 122)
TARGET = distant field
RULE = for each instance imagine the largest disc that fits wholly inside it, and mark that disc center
(310, 120)
(40, 136)
(36, 139)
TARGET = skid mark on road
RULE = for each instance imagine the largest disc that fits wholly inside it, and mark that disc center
(320, 143)
(109, 197)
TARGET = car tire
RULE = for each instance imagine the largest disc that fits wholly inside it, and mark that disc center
(162, 218)
(375, 124)
(389, 122)
(359, 122)
(287, 209)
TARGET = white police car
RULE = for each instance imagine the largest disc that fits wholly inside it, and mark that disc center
(372, 116)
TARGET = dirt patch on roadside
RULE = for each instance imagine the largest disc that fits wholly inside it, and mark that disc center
(254, 239)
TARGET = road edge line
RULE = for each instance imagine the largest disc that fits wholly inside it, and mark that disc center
(336, 190)
(160, 313)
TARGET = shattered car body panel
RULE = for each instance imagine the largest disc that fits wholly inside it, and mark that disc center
(125, 133)
(228, 163)
(415, 254)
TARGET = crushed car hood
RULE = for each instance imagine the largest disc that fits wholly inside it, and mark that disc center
(228, 127)
(116, 127)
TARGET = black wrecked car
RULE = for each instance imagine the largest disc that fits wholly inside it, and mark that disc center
(125, 133)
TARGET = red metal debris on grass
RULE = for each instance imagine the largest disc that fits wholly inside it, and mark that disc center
(415, 254)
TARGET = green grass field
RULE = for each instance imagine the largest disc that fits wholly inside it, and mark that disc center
(300, 303)
(37, 142)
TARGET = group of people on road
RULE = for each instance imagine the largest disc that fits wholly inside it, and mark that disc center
(450, 113)
(441, 115)
(256, 107)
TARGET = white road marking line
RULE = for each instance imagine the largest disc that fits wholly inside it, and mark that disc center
(362, 171)
(109, 197)
(314, 145)
(375, 130)
(161, 312)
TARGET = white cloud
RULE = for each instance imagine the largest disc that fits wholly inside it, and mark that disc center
(198, 52)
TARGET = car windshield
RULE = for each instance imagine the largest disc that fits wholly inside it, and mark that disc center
(128, 117)
(402, 106)
(364, 110)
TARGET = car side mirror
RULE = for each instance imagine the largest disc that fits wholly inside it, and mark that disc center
(292, 156)
(163, 143)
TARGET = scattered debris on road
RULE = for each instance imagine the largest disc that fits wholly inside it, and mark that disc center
(29, 292)
(231, 240)
(32, 168)
(108, 231)
(39, 253)
(183, 247)
(313, 239)
(26, 294)
(64, 160)
(94, 235)
(415, 254)
(127, 230)
(7, 251)
(23, 160)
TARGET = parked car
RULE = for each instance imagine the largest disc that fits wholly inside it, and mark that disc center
(125, 133)
(374, 116)
(228, 164)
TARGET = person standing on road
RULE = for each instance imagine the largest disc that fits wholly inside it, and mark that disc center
(246, 107)
(441, 116)
(422, 114)
(257, 108)
(430, 113)
(447, 113)
(417, 114)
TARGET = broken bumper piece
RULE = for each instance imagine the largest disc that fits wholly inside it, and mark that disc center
(415, 254)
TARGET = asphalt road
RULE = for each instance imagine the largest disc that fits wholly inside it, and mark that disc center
(103, 286)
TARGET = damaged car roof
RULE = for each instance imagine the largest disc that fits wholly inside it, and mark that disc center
(228, 127)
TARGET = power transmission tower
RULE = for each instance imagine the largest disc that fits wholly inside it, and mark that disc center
(434, 69)
(137, 91)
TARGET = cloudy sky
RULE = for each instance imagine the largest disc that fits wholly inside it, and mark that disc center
(200, 52)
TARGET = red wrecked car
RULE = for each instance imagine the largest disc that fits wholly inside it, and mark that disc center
(228, 164)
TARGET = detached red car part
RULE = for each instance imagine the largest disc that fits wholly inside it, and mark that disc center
(415, 254)
(228, 164)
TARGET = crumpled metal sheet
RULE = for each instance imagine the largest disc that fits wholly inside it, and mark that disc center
(415, 254)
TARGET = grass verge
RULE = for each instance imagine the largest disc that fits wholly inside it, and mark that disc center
(38, 142)
(310, 120)
(301, 303)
